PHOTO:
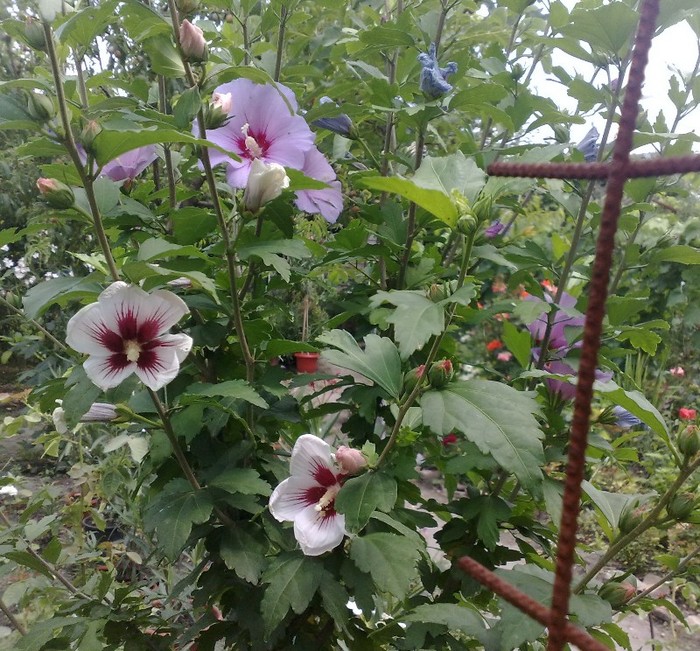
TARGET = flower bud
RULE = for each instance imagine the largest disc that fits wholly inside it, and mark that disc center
(483, 207)
(35, 35)
(90, 131)
(617, 594)
(689, 441)
(41, 107)
(100, 412)
(437, 293)
(681, 506)
(59, 420)
(687, 414)
(351, 461)
(466, 225)
(265, 183)
(441, 373)
(55, 193)
(562, 134)
(677, 371)
(187, 6)
(410, 378)
(192, 42)
(631, 517)
(216, 113)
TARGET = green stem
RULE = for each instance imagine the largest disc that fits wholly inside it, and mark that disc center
(370, 153)
(169, 170)
(59, 344)
(69, 141)
(647, 523)
(412, 397)
(280, 42)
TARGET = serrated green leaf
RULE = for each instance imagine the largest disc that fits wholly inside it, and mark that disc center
(448, 173)
(245, 481)
(243, 554)
(173, 512)
(497, 418)
(389, 558)
(272, 253)
(360, 496)
(456, 618)
(238, 389)
(379, 361)
(621, 308)
(293, 580)
(416, 318)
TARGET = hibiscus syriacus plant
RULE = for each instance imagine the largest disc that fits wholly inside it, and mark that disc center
(196, 195)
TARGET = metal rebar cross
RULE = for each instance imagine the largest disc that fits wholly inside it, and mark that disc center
(619, 170)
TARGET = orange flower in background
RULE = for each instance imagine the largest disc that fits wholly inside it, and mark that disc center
(494, 344)
(549, 286)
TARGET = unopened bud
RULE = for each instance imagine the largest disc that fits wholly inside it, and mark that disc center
(100, 412)
(483, 208)
(689, 441)
(192, 42)
(90, 131)
(631, 517)
(265, 183)
(437, 293)
(617, 594)
(216, 113)
(681, 506)
(441, 373)
(55, 193)
(187, 6)
(410, 378)
(41, 107)
(351, 461)
(35, 35)
(466, 225)
(562, 134)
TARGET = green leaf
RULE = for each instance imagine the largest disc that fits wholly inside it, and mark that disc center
(245, 481)
(159, 249)
(681, 253)
(488, 511)
(82, 27)
(496, 417)
(165, 59)
(186, 108)
(436, 202)
(518, 342)
(276, 347)
(389, 558)
(639, 337)
(335, 599)
(191, 224)
(238, 389)
(173, 512)
(43, 632)
(379, 361)
(243, 554)
(293, 580)
(107, 194)
(456, 618)
(448, 173)
(26, 559)
(58, 290)
(360, 496)
(416, 318)
(621, 308)
(609, 28)
(611, 505)
(81, 393)
(272, 252)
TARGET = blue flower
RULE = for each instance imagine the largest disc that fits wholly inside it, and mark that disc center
(340, 124)
(589, 145)
(433, 78)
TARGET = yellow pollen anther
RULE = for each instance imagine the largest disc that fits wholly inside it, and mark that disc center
(250, 143)
(132, 350)
(327, 498)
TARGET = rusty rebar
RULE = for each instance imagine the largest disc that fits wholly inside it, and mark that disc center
(527, 604)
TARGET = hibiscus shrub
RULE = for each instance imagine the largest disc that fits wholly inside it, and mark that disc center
(257, 180)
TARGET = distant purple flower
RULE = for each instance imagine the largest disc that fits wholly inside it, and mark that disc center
(263, 124)
(565, 389)
(340, 124)
(127, 166)
(495, 229)
(562, 320)
(589, 145)
(624, 419)
(433, 78)
(329, 201)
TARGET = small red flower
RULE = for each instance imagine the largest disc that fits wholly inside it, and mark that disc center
(449, 439)
(494, 344)
(687, 414)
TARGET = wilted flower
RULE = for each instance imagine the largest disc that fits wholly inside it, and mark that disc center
(687, 414)
(589, 145)
(265, 183)
(624, 419)
(677, 371)
(433, 78)
(222, 101)
(307, 497)
(56, 194)
(192, 42)
(125, 332)
(350, 460)
(340, 124)
(495, 229)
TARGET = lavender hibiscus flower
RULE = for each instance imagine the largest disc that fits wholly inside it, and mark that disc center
(264, 125)
(566, 317)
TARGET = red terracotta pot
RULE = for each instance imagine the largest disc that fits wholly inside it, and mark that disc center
(307, 362)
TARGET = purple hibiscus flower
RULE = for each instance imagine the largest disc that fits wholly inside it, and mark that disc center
(127, 166)
(263, 124)
(562, 319)
(495, 229)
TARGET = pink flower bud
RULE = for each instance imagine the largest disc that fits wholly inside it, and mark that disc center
(55, 193)
(505, 356)
(192, 42)
(351, 461)
(678, 371)
(222, 101)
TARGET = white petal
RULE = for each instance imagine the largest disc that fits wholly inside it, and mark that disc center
(309, 454)
(289, 498)
(158, 366)
(101, 371)
(316, 534)
(181, 343)
(85, 329)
